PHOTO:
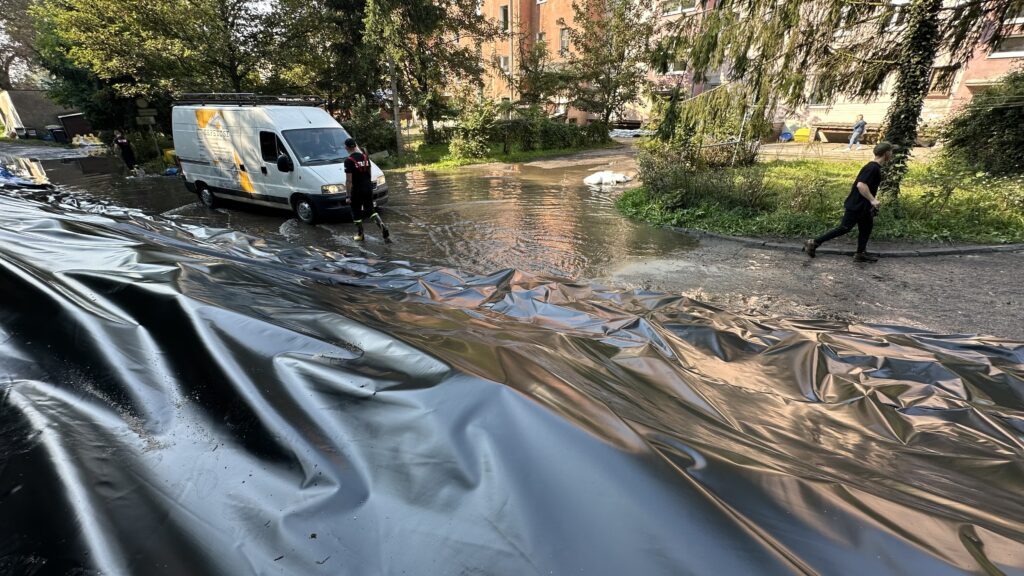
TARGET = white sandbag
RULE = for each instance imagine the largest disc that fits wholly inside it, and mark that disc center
(605, 177)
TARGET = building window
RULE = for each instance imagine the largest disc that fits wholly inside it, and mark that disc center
(1009, 47)
(505, 24)
(899, 14)
(941, 82)
(676, 68)
(541, 37)
(503, 62)
(679, 6)
(563, 42)
(1017, 18)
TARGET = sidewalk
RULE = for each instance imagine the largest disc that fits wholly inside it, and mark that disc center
(826, 151)
(848, 248)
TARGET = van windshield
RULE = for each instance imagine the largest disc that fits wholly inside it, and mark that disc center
(317, 146)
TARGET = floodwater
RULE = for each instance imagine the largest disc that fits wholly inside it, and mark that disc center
(538, 217)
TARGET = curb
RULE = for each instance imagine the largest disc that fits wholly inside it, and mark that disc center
(788, 247)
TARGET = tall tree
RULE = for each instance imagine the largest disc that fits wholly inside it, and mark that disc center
(610, 47)
(322, 50)
(160, 46)
(421, 39)
(16, 41)
(536, 77)
(790, 52)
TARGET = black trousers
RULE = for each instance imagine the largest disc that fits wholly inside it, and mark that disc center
(362, 205)
(863, 219)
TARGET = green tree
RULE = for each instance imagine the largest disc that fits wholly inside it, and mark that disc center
(988, 134)
(153, 47)
(790, 52)
(322, 51)
(16, 41)
(422, 40)
(536, 77)
(610, 48)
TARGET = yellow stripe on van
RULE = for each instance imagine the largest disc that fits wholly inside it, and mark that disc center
(243, 177)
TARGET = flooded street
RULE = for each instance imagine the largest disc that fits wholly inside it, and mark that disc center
(540, 218)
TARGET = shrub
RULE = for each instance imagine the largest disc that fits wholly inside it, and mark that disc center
(678, 185)
(475, 125)
(987, 134)
(373, 132)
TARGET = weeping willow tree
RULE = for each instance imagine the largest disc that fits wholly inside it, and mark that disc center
(788, 53)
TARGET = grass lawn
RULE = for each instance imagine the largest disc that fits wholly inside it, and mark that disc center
(420, 156)
(803, 198)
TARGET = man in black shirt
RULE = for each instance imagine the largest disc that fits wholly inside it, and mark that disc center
(861, 206)
(359, 185)
(125, 147)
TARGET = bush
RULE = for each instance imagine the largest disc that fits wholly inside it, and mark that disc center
(987, 134)
(473, 132)
(465, 148)
(531, 129)
(679, 186)
(142, 142)
(373, 132)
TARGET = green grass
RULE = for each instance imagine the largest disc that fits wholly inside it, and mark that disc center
(422, 156)
(805, 198)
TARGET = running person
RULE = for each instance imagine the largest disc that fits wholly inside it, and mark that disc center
(359, 185)
(861, 206)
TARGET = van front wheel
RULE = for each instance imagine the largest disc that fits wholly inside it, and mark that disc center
(305, 210)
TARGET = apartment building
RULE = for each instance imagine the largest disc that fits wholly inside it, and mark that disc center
(532, 21)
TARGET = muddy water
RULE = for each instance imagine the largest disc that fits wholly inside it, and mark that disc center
(538, 217)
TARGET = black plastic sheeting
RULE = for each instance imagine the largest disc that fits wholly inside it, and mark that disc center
(181, 400)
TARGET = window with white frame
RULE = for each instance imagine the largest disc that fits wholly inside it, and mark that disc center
(541, 37)
(563, 42)
(505, 22)
(1009, 47)
(504, 63)
(1017, 18)
(899, 15)
(673, 7)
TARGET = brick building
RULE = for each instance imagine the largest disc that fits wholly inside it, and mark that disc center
(531, 21)
(534, 21)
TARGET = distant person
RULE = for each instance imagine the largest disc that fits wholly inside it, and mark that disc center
(359, 185)
(859, 127)
(125, 147)
(861, 206)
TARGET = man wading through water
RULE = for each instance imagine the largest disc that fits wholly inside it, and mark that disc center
(861, 206)
(359, 186)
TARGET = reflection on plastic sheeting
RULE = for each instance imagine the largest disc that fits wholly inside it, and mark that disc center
(184, 400)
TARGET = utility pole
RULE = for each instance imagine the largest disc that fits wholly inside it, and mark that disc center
(394, 105)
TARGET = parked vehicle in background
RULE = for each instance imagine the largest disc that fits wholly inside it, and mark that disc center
(277, 151)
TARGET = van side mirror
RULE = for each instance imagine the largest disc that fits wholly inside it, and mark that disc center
(285, 164)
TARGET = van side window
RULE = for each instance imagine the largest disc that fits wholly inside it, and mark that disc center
(270, 147)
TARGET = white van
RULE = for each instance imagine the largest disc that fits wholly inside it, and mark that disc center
(277, 151)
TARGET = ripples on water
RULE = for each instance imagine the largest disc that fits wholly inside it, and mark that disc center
(477, 219)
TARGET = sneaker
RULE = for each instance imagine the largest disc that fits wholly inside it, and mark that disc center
(864, 257)
(809, 247)
(359, 238)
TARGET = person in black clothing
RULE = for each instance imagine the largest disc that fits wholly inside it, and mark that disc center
(359, 185)
(861, 206)
(125, 147)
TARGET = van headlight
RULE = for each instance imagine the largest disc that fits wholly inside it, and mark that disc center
(332, 188)
(380, 180)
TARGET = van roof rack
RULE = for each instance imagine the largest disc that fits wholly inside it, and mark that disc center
(248, 99)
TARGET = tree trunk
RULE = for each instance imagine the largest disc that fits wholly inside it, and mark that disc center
(395, 107)
(913, 78)
(5, 72)
(429, 136)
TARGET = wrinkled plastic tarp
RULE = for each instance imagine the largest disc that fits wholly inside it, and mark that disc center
(182, 400)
